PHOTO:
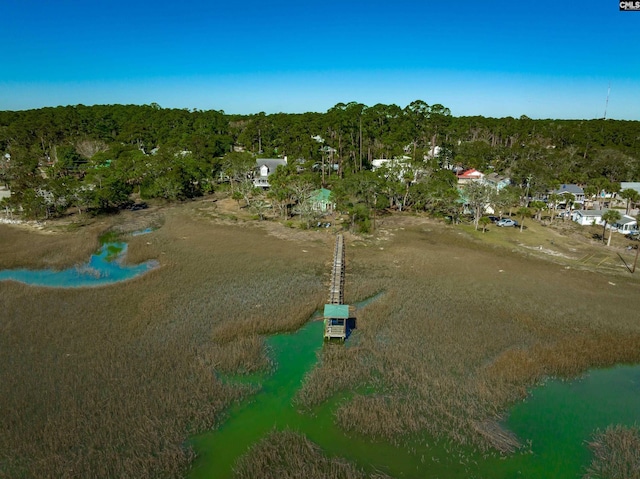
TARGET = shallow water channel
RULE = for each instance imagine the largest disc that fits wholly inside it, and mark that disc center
(557, 419)
(103, 268)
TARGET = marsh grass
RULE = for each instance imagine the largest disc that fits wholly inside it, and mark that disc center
(290, 455)
(616, 453)
(111, 382)
(462, 332)
(26, 248)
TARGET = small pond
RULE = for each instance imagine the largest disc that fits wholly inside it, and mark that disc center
(103, 268)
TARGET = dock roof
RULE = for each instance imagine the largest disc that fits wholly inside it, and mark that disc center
(336, 311)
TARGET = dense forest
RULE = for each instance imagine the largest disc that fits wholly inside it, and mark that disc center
(97, 158)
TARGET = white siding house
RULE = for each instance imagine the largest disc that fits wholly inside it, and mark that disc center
(594, 217)
(625, 225)
(588, 217)
(266, 167)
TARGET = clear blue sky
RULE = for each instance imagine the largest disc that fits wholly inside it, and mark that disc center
(543, 59)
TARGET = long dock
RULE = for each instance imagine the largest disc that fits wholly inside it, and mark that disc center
(336, 314)
(336, 294)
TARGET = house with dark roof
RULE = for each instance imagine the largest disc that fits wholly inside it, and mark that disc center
(575, 190)
(266, 167)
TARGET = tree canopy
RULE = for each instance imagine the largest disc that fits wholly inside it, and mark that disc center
(95, 157)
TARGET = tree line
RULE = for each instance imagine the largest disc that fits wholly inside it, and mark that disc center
(94, 158)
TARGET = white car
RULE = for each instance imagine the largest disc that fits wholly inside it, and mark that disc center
(507, 222)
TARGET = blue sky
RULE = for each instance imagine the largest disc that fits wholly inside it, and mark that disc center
(543, 59)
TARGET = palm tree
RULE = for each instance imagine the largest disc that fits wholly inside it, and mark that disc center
(631, 195)
(570, 199)
(484, 221)
(523, 212)
(538, 207)
(610, 217)
(553, 200)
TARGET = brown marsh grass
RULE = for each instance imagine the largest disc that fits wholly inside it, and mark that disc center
(290, 455)
(616, 453)
(22, 247)
(462, 332)
(110, 382)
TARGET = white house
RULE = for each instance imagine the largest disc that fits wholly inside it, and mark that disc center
(625, 225)
(588, 217)
(266, 167)
(398, 165)
(469, 175)
(594, 217)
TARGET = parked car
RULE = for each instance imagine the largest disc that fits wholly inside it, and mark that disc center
(506, 222)
(633, 235)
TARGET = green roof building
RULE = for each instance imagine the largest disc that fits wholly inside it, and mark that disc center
(321, 200)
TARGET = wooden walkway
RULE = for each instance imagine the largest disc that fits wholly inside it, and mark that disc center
(337, 314)
(336, 294)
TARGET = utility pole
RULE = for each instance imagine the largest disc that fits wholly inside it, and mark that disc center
(607, 102)
(360, 142)
(526, 198)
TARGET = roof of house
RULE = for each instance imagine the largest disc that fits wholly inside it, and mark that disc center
(471, 173)
(630, 185)
(271, 163)
(322, 194)
(396, 160)
(626, 219)
(495, 178)
(590, 212)
(573, 189)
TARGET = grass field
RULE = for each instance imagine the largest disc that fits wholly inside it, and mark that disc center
(109, 382)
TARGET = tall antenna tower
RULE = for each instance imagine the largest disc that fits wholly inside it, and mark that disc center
(606, 105)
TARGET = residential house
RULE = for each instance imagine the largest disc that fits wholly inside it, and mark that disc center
(630, 185)
(625, 225)
(594, 217)
(266, 167)
(321, 201)
(468, 176)
(588, 217)
(575, 190)
(496, 181)
(400, 165)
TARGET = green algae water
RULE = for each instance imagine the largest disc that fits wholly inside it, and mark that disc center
(556, 420)
(103, 268)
